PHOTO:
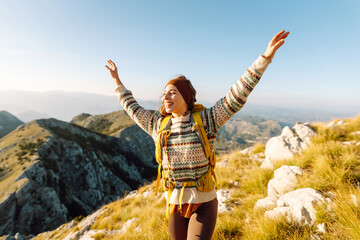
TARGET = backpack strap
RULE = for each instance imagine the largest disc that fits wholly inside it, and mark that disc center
(199, 126)
(200, 132)
(163, 134)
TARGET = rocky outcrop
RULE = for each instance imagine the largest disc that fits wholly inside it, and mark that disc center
(298, 206)
(295, 205)
(287, 144)
(284, 181)
(72, 173)
(223, 196)
(8, 123)
(84, 226)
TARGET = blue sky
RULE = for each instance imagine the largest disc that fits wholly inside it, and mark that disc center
(64, 45)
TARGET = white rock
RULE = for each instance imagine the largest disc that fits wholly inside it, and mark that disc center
(341, 122)
(304, 132)
(128, 223)
(148, 193)
(247, 151)
(84, 225)
(286, 145)
(260, 157)
(276, 149)
(265, 203)
(89, 220)
(287, 133)
(223, 195)
(235, 183)
(131, 194)
(297, 205)
(321, 228)
(332, 124)
(89, 234)
(284, 180)
(223, 163)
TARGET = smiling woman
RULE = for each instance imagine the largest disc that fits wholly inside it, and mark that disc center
(185, 133)
(178, 98)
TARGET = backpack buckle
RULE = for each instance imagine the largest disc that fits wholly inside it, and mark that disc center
(198, 183)
(167, 184)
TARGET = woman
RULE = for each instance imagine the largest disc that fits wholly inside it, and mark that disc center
(193, 213)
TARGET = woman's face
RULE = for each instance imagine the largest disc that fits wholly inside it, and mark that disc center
(173, 101)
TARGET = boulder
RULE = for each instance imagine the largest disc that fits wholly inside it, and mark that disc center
(287, 144)
(284, 181)
(304, 132)
(297, 205)
(223, 195)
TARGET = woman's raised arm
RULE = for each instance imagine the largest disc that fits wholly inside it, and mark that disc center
(275, 43)
(114, 74)
(226, 107)
(146, 119)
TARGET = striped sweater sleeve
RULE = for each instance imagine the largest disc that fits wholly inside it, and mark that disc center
(216, 116)
(148, 120)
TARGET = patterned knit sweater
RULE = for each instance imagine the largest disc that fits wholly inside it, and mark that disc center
(187, 160)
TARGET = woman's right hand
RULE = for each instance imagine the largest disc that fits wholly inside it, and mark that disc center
(113, 72)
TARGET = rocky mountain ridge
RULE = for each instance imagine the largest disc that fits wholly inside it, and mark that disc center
(53, 171)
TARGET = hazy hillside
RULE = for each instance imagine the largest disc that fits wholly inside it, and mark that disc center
(330, 165)
(8, 123)
(52, 171)
(243, 131)
(108, 124)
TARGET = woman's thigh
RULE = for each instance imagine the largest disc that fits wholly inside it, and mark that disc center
(202, 222)
(178, 226)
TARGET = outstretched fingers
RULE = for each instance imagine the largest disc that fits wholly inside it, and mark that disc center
(112, 65)
(277, 36)
(279, 44)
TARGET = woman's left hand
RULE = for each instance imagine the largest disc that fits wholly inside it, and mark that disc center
(275, 44)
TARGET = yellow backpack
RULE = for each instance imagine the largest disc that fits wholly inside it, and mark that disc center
(205, 183)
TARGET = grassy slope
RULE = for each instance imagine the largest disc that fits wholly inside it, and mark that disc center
(329, 165)
(108, 124)
(14, 160)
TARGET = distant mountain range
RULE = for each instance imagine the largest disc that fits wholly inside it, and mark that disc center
(64, 106)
